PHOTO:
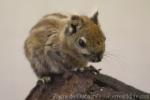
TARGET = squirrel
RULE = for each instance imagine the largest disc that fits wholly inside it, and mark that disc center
(60, 42)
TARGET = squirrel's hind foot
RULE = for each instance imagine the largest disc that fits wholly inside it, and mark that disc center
(45, 79)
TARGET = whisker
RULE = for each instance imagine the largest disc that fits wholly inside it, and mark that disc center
(114, 59)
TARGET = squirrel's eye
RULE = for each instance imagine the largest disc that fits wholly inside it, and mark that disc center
(82, 42)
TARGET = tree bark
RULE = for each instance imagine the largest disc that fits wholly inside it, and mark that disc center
(87, 85)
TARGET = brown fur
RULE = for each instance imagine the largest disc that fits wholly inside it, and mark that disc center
(52, 46)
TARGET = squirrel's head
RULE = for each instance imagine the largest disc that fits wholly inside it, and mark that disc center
(85, 35)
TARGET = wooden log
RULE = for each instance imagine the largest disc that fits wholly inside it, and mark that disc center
(87, 85)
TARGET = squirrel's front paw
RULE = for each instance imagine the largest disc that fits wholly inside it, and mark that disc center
(93, 69)
(45, 79)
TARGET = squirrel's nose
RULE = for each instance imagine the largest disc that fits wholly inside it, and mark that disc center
(98, 56)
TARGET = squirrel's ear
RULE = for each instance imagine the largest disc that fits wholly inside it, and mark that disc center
(94, 18)
(74, 25)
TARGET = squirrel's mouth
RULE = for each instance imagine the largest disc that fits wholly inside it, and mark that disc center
(94, 58)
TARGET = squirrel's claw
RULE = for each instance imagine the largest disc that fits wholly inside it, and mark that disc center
(93, 69)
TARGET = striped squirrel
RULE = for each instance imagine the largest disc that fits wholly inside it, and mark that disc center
(60, 42)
